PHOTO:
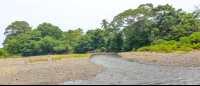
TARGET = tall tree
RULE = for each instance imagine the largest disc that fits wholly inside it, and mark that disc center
(15, 29)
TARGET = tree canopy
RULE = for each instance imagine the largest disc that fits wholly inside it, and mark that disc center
(147, 27)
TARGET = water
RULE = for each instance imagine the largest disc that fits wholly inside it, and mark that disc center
(124, 72)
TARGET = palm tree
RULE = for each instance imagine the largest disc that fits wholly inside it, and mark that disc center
(104, 24)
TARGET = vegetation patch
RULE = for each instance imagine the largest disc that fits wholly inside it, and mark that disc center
(78, 55)
(146, 55)
(138, 54)
(154, 60)
(38, 60)
(181, 53)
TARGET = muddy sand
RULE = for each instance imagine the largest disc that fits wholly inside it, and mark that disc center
(190, 59)
(20, 71)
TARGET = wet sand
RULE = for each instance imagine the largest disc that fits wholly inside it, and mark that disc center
(190, 59)
(20, 71)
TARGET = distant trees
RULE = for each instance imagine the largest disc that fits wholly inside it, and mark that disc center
(146, 28)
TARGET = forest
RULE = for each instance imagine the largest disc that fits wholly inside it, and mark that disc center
(146, 28)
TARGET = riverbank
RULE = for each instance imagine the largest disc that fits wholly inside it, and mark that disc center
(178, 58)
(20, 71)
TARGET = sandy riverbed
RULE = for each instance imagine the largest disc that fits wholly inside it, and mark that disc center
(20, 71)
(190, 59)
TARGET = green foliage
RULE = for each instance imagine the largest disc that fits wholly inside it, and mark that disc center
(147, 28)
(133, 49)
(98, 50)
(181, 53)
(159, 48)
(48, 29)
(3, 53)
(103, 49)
(195, 37)
(15, 29)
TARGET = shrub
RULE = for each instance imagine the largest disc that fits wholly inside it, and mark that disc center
(133, 49)
(98, 50)
(195, 37)
(3, 53)
(103, 49)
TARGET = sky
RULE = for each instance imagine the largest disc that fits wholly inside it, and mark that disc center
(73, 14)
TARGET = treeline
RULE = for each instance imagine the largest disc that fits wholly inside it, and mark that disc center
(133, 29)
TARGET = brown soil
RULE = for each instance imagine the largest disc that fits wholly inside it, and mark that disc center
(190, 59)
(20, 71)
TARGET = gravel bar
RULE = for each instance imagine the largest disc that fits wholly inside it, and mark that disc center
(190, 59)
(20, 71)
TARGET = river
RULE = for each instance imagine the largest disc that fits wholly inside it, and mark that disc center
(124, 72)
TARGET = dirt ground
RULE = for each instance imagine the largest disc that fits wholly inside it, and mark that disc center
(190, 59)
(20, 71)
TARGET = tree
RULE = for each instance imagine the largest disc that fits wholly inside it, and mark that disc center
(50, 30)
(116, 42)
(104, 24)
(15, 29)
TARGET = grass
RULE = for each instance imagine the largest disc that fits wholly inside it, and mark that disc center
(181, 53)
(3, 57)
(38, 60)
(154, 60)
(78, 55)
(145, 55)
(138, 55)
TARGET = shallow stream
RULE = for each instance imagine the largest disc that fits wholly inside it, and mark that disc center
(124, 72)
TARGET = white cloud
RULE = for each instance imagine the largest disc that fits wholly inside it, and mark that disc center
(73, 14)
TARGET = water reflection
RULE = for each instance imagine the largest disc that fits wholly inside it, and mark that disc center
(123, 72)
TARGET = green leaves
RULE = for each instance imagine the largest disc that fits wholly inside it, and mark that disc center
(15, 29)
(48, 29)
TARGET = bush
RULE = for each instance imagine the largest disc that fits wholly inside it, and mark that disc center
(195, 37)
(133, 49)
(98, 50)
(103, 49)
(3, 53)
(196, 46)
(159, 48)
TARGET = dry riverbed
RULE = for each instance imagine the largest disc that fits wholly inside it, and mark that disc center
(20, 71)
(189, 59)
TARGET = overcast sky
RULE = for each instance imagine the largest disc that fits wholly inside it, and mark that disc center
(73, 14)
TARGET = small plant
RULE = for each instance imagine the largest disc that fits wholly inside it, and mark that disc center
(138, 55)
(4, 57)
(98, 50)
(133, 49)
(154, 60)
(119, 54)
(181, 53)
(145, 55)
